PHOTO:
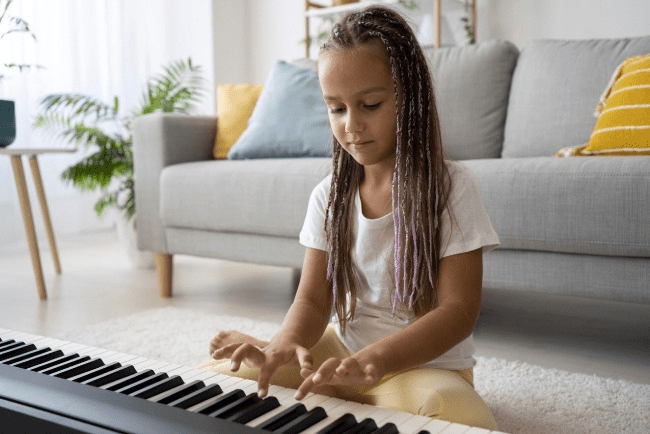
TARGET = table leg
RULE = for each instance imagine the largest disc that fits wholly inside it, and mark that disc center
(28, 220)
(40, 192)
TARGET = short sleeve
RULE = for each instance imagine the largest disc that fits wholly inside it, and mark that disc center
(313, 229)
(466, 225)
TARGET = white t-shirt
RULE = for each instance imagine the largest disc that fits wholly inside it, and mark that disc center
(373, 259)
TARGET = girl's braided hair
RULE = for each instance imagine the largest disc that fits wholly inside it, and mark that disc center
(421, 182)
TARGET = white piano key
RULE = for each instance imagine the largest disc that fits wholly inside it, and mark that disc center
(248, 386)
(414, 424)
(456, 428)
(396, 417)
(225, 384)
(201, 376)
(436, 426)
(178, 371)
(14, 335)
(142, 363)
(380, 414)
(158, 367)
(476, 430)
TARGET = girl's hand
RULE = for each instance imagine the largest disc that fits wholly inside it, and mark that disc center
(267, 359)
(353, 371)
(227, 337)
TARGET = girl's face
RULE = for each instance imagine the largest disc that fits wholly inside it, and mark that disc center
(358, 89)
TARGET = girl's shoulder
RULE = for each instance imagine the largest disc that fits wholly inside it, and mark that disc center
(323, 187)
(320, 194)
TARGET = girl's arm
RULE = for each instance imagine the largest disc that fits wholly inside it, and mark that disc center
(310, 311)
(459, 301)
(301, 329)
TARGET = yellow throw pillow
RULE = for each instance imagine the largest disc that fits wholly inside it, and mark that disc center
(235, 104)
(623, 126)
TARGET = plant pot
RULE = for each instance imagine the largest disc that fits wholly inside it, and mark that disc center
(7, 123)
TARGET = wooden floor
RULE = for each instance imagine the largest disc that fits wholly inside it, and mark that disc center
(98, 283)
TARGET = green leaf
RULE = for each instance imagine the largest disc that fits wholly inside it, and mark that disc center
(87, 122)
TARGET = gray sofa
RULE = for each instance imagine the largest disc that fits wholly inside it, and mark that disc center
(577, 226)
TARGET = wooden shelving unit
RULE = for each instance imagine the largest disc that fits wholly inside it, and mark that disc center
(317, 10)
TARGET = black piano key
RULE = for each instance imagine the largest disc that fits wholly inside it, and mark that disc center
(79, 369)
(222, 401)
(5, 343)
(303, 422)
(141, 384)
(159, 387)
(388, 428)
(237, 406)
(283, 418)
(197, 397)
(256, 410)
(72, 362)
(33, 361)
(111, 376)
(424, 432)
(366, 426)
(79, 378)
(25, 356)
(12, 344)
(178, 392)
(122, 382)
(50, 363)
(15, 351)
(340, 425)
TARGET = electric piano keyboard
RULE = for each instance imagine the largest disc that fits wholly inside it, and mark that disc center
(54, 386)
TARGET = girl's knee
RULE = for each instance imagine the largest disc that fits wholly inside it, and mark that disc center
(458, 406)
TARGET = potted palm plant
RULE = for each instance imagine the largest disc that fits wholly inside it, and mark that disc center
(106, 135)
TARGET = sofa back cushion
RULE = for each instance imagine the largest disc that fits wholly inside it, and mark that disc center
(555, 88)
(472, 84)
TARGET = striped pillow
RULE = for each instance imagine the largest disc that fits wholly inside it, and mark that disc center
(623, 126)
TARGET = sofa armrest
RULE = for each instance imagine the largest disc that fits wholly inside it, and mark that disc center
(160, 140)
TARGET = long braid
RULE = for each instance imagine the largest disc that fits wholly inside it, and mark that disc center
(421, 182)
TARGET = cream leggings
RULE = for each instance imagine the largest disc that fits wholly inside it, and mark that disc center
(439, 393)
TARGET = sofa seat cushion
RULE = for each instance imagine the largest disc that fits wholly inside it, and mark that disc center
(264, 197)
(593, 205)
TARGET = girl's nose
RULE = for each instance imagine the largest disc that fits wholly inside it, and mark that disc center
(353, 124)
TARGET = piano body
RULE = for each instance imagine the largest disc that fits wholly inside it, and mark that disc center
(54, 386)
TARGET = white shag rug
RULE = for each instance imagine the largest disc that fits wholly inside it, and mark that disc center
(524, 398)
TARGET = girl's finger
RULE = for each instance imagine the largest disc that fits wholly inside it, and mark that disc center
(305, 359)
(326, 371)
(266, 373)
(371, 374)
(247, 352)
(225, 352)
(304, 388)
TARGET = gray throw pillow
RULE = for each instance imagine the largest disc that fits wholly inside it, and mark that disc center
(289, 119)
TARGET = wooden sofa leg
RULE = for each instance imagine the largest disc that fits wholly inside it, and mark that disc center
(164, 266)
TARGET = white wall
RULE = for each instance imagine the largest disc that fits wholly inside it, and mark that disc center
(100, 48)
(274, 29)
(520, 21)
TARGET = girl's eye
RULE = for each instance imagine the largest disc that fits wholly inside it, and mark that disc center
(336, 110)
(373, 106)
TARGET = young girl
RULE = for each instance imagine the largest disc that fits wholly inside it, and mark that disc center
(394, 240)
